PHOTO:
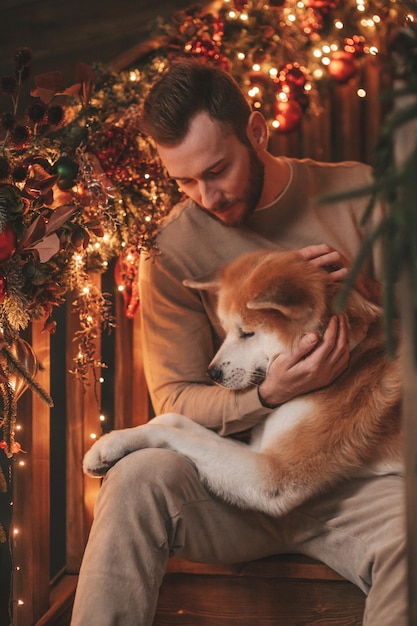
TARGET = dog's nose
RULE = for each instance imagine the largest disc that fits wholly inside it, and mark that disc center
(216, 374)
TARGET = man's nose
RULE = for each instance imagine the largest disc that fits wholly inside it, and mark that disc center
(210, 196)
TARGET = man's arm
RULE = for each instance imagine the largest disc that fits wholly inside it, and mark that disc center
(179, 338)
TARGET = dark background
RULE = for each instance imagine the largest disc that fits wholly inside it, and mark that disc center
(62, 32)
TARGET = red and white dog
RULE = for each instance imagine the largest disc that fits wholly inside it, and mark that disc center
(267, 300)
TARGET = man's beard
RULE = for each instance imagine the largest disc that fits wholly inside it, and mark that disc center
(252, 193)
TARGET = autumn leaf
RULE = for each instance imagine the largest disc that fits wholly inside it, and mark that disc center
(42, 228)
(48, 85)
(35, 232)
(59, 217)
(37, 187)
(47, 247)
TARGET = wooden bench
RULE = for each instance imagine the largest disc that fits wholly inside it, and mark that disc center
(287, 590)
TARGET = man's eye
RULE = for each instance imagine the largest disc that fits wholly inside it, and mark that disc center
(245, 335)
(215, 173)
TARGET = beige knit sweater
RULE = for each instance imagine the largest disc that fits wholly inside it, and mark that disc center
(180, 328)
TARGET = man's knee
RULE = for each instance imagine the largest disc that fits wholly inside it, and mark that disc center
(152, 469)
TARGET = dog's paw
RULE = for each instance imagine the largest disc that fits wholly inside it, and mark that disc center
(104, 453)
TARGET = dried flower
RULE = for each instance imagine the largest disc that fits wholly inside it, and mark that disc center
(19, 173)
(55, 115)
(20, 136)
(36, 112)
(23, 58)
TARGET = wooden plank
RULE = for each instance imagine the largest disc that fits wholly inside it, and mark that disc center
(236, 601)
(281, 566)
(83, 411)
(31, 497)
(62, 598)
(131, 395)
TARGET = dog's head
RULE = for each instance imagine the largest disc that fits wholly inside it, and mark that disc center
(267, 300)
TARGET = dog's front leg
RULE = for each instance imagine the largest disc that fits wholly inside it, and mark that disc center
(114, 445)
(230, 469)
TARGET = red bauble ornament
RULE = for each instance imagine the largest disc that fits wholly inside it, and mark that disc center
(342, 66)
(288, 114)
(293, 75)
(3, 287)
(7, 242)
(292, 82)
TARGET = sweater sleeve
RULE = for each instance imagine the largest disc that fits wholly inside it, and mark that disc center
(178, 343)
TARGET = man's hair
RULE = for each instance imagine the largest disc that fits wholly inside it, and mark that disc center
(189, 87)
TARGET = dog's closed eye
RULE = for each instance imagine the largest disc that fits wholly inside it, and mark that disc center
(245, 335)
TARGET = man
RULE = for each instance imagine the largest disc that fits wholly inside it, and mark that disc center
(152, 504)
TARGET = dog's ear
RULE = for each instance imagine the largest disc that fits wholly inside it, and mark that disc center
(211, 282)
(291, 311)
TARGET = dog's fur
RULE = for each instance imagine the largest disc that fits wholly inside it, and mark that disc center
(267, 301)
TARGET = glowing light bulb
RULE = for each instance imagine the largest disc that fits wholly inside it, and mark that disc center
(93, 436)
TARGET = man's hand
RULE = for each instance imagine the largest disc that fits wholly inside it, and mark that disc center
(310, 366)
(322, 255)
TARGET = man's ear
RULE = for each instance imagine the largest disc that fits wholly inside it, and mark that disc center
(257, 131)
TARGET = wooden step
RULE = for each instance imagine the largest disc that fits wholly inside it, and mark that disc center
(287, 590)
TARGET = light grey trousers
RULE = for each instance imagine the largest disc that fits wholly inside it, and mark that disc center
(152, 506)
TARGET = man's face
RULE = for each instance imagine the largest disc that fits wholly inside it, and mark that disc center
(223, 176)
